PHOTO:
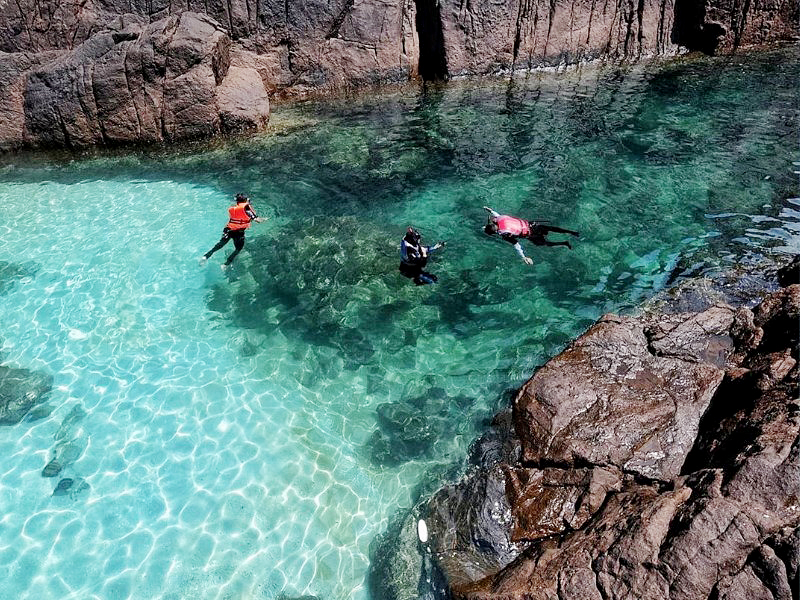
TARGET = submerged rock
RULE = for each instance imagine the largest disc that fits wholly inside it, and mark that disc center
(20, 391)
(329, 295)
(71, 487)
(52, 468)
(410, 428)
(659, 460)
(405, 433)
(401, 565)
(338, 281)
(63, 487)
(11, 273)
(41, 411)
(65, 431)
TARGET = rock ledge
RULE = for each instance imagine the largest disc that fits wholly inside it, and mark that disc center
(656, 457)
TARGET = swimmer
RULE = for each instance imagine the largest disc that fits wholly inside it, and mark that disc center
(511, 229)
(414, 256)
(240, 217)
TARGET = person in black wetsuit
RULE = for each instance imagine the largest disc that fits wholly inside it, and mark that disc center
(240, 217)
(511, 229)
(414, 256)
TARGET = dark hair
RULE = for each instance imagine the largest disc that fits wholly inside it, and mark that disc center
(491, 228)
(241, 198)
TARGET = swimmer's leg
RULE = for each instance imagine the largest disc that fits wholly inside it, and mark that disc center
(567, 244)
(424, 278)
(555, 229)
(222, 241)
(238, 244)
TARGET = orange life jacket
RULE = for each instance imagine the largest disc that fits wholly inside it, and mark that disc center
(512, 226)
(239, 219)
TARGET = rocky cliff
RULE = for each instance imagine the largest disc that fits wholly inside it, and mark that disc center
(81, 72)
(656, 457)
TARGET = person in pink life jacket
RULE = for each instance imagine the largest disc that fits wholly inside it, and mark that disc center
(511, 229)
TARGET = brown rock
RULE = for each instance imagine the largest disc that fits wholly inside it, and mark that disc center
(162, 81)
(242, 101)
(725, 527)
(307, 46)
(612, 399)
(551, 501)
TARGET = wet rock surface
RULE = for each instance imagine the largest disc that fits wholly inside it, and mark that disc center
(658, 457)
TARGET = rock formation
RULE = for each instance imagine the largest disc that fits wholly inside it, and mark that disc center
(656, 457)
(78, 73)
(164, 81)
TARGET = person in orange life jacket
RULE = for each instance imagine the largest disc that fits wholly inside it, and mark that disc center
(513, 228)
(241, 216)
(414, 256)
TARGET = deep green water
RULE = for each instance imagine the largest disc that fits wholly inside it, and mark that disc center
(247, 434)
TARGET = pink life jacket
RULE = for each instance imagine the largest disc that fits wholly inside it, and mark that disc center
(512, 226)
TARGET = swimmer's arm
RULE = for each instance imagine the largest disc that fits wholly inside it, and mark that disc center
(403, 250)
(518, 248)
(252, 214)
(491, 212)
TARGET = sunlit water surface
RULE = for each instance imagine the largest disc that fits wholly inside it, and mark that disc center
(247, 434)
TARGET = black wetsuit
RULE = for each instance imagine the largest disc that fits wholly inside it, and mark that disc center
(538, 235)
(413, 258)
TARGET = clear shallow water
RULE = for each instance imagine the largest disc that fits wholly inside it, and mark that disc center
(247, 435)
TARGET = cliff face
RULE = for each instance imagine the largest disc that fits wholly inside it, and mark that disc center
(656, 457)
(69, 66)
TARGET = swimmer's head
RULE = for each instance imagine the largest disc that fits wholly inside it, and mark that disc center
(241, 198)
(490, 229)
(412, 235)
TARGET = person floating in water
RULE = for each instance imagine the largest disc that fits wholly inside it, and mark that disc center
(414, 256)
(241, 216)
(511, 229)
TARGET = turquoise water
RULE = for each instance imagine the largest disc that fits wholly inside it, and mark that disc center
(246, 434)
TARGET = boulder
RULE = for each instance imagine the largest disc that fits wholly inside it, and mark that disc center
(628, 393)
(133, 82)
(13, 76)
(551, 501)
(242, 101)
